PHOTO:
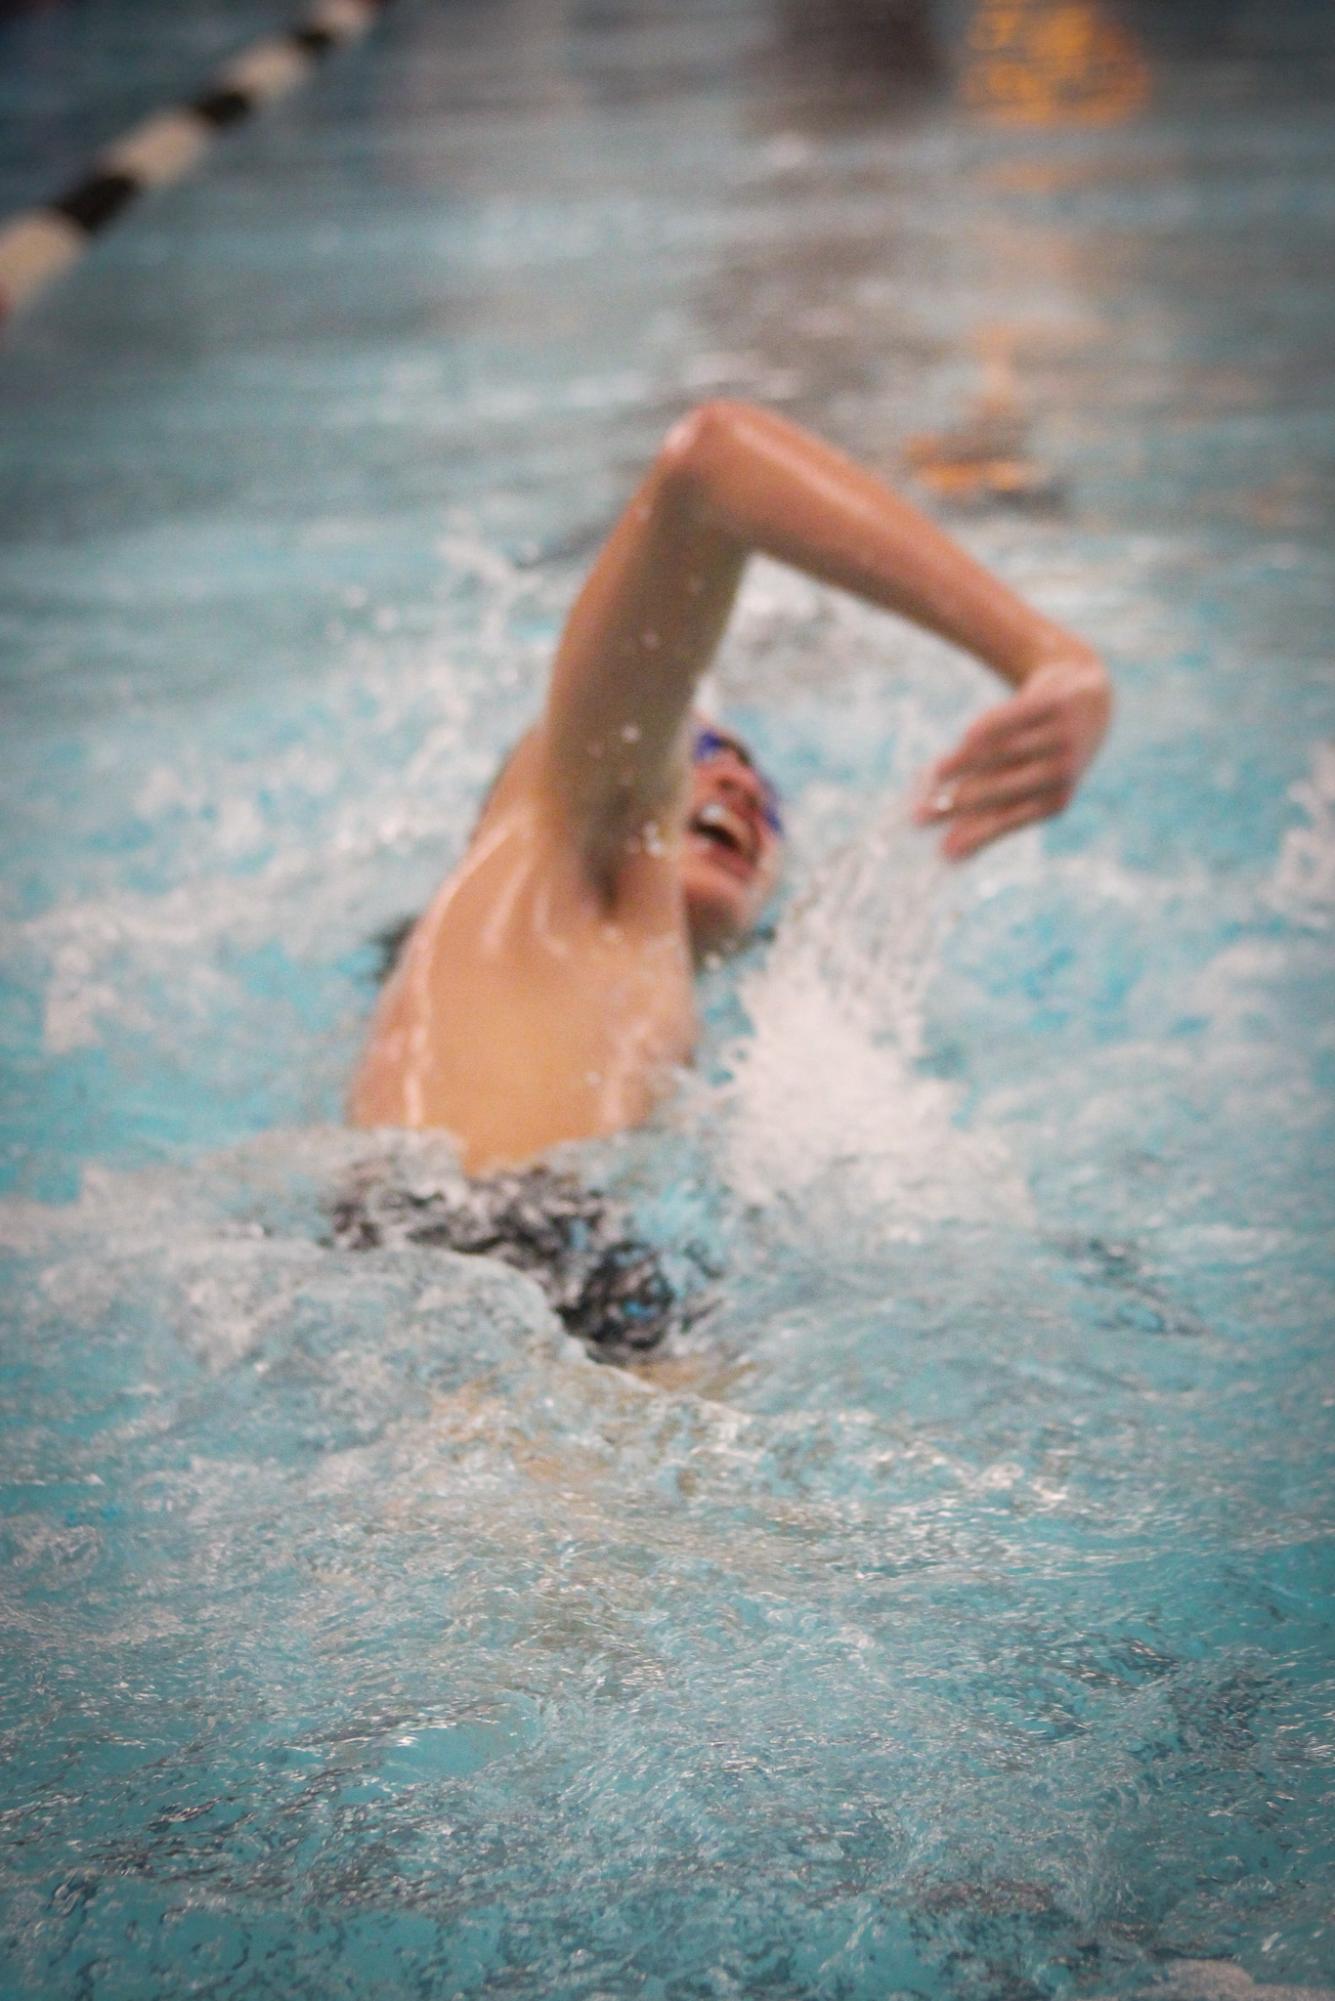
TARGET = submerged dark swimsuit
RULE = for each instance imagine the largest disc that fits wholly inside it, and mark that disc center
(607, 1287)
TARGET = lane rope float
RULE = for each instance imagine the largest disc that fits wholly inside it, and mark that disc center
(38, 244)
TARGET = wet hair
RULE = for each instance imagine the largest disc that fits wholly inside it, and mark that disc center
(388, 945)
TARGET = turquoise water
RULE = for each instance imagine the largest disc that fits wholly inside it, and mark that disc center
(947, 1613)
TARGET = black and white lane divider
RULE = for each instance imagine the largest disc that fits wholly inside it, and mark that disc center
(39, 243)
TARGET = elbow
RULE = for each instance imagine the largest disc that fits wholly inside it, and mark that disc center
(690, 455)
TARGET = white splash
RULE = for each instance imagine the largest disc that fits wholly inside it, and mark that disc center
(827, 1109)
(1303, 884)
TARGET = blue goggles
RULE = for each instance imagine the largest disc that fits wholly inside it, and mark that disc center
(709, 743)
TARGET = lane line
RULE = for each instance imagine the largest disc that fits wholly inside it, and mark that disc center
(267, 70)
(38, 244)
(159, 151)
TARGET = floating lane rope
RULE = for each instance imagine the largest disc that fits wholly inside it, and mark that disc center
(38, 244)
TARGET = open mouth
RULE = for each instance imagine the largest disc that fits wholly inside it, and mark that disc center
(730, 835)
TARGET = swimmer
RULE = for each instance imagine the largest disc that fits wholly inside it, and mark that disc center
(547, 992)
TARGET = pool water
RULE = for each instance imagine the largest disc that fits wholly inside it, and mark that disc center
(946, 1611)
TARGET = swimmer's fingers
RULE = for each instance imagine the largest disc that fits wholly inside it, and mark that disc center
(998, 771)
(971, 767)
(1020, 761)
(995, 787)
(1013, 730)
(973, 831)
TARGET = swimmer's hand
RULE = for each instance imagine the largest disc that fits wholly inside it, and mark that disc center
(1022, 760)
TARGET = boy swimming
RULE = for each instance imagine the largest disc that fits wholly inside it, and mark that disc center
(547, 992)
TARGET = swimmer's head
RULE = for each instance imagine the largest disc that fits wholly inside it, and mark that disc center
(732, 854)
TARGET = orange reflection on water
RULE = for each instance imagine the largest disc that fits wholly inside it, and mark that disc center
(985, 461)
(1052, 62)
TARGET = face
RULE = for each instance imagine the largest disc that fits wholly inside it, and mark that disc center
(733, 850)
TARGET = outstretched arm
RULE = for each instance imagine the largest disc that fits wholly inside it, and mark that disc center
(731, 479)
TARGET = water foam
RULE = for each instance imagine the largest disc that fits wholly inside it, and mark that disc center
(1303, 884)
(827, 1104)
